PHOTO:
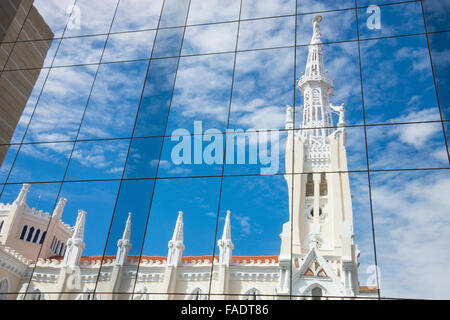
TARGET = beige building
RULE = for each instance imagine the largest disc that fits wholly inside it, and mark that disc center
(19, 16)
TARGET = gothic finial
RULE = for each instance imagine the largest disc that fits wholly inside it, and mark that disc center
(225, 244)
(178, 232)
(22, 197)
(57, 213)
(176, 245)
(316, 29)
(227, 228)
(289, 123)
(127, 231)
(124, 244)
(78, 232)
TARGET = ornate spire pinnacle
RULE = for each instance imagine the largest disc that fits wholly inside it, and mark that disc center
(78, 232)
(22, 197)
(176, 246)
(316, 89)
(316, 30)
(178, 231)
(124, 244)
(57, 213)
(289, 123)
(225, 244)
(75, 244)
(127, 232)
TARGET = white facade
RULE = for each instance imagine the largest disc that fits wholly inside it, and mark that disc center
(317, 250)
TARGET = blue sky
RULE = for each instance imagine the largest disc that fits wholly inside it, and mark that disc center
(398, 87)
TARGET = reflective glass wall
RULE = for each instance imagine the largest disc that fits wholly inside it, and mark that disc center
(142, 106)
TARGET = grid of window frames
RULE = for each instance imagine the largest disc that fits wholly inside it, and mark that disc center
(124, 81)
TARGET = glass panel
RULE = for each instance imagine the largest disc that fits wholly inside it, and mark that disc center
(202, 93)
(198, 199)
(83, 50)
(115, 100)
(192, 155)
(129, 46)
(174, 13)
(435, 15)
(407, 146)
(411, 216)
(307, 6)
(344, 150)
(7, 156)
(335, 26)
(143, 158)
(168, 43)
(269, 8)
(397, 80)
(137, 15)
(32, 207)
(255, 152)
(156, 100)
(256, 222)
(439, 46)
(29, 103)
(62, 103)
(260, 97)
(98, 160)
(267, 33)
(207, 11)
(396, 19)
(342, 66)
(126, 235)
(96, 200)
(91, 17)
(41, 162)
(210, 38)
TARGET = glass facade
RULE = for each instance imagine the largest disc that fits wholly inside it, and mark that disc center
(143, 107)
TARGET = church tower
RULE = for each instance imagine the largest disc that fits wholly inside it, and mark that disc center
(320, 206)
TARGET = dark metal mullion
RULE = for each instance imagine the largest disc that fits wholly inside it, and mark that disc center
(434, 81)
(367, 155)
(291, 219)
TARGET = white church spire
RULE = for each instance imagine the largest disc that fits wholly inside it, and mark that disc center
(225, 244)
(316, 87)
(176, 246)
(124, 244)
(75, 244)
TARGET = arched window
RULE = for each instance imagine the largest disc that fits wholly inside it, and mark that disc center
(61, 249)
(1, 225)
(43, 237)
(198, 294)
(30, 234)
(36, 236)
(24, 232)
(57, 246)
(316, 293)
(252, 294)
(4, 289)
